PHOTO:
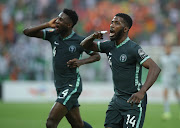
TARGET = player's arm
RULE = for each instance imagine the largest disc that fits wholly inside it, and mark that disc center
(88, 43)
(37, 31)
(77, 63)
(153, 73)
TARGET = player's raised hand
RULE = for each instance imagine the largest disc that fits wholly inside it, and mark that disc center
(74, 63)
(52, 23)
(136, 98)
(99, 34)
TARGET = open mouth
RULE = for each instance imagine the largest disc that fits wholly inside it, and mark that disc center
(112, 33)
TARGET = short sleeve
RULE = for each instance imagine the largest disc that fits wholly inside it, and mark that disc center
(104, 47)
(48, 33)
(140, 54)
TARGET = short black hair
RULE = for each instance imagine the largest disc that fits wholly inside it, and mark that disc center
(126, 18)
(72, 15)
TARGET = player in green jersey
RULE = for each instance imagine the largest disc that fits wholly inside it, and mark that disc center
(67, 53)
(126, 58)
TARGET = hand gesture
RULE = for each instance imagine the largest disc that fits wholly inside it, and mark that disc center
(136, 98)
(74, 63)
(99, 34)
(52, 23)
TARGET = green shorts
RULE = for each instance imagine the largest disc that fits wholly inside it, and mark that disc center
(69, 94)
(121, 114)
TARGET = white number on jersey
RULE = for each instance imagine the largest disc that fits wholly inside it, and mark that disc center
(64, 93)
(109, 59)
(131, 120)
(54, 51)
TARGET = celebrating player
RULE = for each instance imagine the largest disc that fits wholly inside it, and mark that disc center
(67, 53)
(126, 58)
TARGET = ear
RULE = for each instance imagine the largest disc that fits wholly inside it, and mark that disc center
(69, 25)
(126, 29)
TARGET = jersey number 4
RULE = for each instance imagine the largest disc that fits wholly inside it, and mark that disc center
(63, 94)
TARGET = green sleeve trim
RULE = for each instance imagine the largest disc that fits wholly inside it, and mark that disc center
(144, 60)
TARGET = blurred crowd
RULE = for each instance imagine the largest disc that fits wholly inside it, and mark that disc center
(155, 23)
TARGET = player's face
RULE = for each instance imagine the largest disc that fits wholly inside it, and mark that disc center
(62, 22)
(116, 28)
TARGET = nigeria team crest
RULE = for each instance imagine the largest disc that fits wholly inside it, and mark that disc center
(123, 58)
(72, 49)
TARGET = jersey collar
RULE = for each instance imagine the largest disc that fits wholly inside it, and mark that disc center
(69, 36)
(125, 41)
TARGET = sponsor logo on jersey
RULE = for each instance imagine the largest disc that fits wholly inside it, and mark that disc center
(141, 53)
(72, 49)
(123, 58)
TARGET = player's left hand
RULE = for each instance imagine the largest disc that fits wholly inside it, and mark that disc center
(74, 63)
(136, 98)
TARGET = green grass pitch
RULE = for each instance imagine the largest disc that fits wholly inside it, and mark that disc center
(16, 115)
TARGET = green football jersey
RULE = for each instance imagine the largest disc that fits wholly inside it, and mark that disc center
(126, 64)
(63, 51)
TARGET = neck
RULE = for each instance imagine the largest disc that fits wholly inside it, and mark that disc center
(66, 34)
(120, 40)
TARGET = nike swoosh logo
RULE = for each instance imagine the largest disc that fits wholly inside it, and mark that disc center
(56, 43)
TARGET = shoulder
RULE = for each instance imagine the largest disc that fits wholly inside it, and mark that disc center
(49, 33)
(78, 37)
(133, 47)
(132, 44)
(106, 42)
(50, 30)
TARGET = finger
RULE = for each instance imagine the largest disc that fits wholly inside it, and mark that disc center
(129, 99)
(132, 100)
(70, 62)
(69, 65)
(136, 100)
(103, 32)
(73, 66)
(73, 60)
